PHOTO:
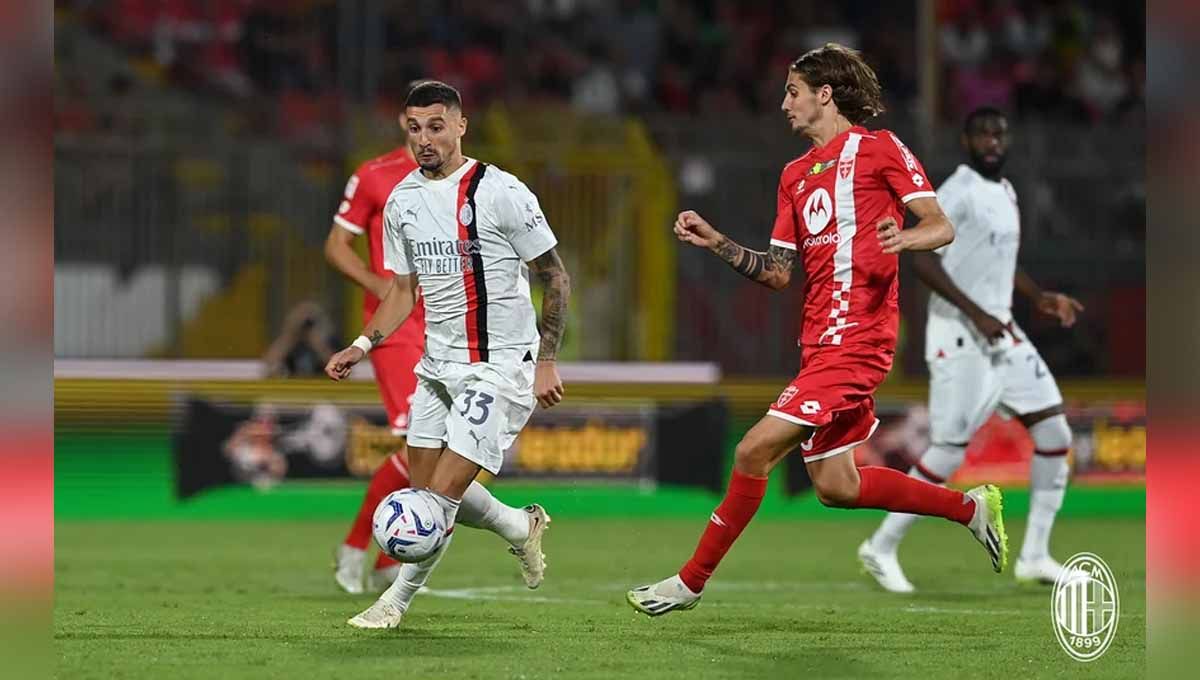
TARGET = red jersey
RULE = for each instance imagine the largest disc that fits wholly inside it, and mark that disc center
(830, 200)
(361, 212)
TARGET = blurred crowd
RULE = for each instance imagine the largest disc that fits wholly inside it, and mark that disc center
(1065, 59)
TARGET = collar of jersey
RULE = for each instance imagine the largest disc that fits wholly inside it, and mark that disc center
(452, 177)
(841, 136)
(979, 176)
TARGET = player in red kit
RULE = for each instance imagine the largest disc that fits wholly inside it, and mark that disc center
(361, 213)
(394, 360)
(840, 207)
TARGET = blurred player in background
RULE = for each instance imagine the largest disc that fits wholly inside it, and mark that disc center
(469, 235)
(979, 359)
(840, 205)
(361, 213)
(394, 360)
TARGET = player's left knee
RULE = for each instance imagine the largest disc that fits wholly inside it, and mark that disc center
(1051, 436)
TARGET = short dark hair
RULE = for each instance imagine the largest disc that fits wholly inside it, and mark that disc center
(981, 113)
(855, 86)
(430, 92)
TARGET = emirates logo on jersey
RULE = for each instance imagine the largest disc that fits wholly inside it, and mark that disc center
(818, 210)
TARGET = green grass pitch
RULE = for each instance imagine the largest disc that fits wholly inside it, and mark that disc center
(256, 599)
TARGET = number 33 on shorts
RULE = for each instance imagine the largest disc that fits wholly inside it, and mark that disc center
(477, 403)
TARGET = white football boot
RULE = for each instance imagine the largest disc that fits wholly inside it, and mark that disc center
(1043, 569)
(533, 560)
(379, 615)
(665, 596)
(988, 524)
(379, 579)
(348, 568)
(885, 568)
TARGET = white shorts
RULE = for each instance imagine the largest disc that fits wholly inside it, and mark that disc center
(967, 383)
(476, 410)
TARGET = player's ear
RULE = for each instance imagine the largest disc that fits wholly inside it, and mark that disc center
(462, 125)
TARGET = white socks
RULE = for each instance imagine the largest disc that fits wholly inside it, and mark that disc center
(481, 510)
(939, 462)
(1047, 483)
(414, 575)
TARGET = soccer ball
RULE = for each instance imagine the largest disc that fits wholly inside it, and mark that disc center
(409, 525)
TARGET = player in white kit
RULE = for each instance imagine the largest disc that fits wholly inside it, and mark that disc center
(469, 234)
(979, 359)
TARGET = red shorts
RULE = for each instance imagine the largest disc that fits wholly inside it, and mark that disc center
(834, 393)
(394, 366)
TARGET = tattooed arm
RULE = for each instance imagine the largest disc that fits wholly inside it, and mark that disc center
(548, 268)
(772, 269)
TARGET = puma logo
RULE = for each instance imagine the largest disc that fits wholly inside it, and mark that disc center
(478, 440)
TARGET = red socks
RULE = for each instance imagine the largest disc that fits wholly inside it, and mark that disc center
(391, 476)
(879, 487)
(742, 499)
(888, 489)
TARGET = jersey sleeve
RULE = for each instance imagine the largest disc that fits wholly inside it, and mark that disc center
(902, 171)
(397, 256)
(357, 206)
(783, 234)
(521, 220)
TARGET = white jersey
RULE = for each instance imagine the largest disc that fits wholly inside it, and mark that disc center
(982, 258)
(468, 237)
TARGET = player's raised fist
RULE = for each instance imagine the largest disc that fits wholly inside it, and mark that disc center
(340, 364)
(547, 386)
(693, 229)
(891, 238)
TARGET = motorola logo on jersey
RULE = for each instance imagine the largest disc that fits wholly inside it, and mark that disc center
(818, 210)
(823, 240)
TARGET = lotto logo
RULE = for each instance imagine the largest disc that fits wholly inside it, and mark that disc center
(810, 407)
(917, 179)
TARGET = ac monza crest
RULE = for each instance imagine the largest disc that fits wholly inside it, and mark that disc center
(466, 214)
(845, 167)
(786, 395)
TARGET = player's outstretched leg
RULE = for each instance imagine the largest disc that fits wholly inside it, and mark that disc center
(1048, 472)
(838, 483)
(878, 554)
(756, 455)
(389, 609)
(523, 528)
(351, 555)
(446, 483)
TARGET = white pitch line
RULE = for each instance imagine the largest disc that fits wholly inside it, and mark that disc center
(497, 594)
(519, 594)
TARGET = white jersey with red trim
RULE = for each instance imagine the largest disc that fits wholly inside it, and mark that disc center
(467, 237)
(982, 260)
